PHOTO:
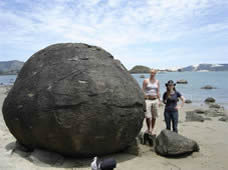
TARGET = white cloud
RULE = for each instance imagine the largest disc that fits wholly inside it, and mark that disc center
(112, 24)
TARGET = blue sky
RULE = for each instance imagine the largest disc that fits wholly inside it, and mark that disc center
(154, 33)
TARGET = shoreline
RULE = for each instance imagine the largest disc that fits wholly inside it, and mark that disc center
(211, 135)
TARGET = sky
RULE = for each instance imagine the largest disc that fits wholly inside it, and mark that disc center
(154, 33)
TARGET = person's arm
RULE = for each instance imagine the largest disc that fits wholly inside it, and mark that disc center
(164, 98)
(158, 93)
(182, 100)
(144, 87)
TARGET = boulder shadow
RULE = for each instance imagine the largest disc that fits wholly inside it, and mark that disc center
(180, 156)
(44, 158)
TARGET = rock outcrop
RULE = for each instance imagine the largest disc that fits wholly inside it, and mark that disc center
(208, 87)
(74, 99)
(182, 82)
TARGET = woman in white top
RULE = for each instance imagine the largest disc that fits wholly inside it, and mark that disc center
(151, 89)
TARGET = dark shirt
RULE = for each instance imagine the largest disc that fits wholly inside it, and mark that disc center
(171, 102)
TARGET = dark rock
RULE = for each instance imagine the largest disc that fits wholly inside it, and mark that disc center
(134, 149)
(215, 112)
(169, 143)
(146, 138)
(224, 118)
(149, 139)
(217, 106)
(74, 99)
(210, 100)
(200, 111)
(192, 116)
(188, 101)
(208, 87)
(182, 82)
(142, 76)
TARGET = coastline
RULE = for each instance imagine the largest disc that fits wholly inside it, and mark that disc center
(211, 135)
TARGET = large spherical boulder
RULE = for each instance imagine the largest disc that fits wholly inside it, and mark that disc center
(74, 99)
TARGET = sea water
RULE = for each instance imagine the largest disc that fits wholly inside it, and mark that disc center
(196, 80)
(191, 91)
(7, 79)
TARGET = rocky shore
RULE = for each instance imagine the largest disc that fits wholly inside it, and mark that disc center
(211, 134)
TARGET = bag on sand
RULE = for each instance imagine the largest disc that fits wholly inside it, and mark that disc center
(108, 164)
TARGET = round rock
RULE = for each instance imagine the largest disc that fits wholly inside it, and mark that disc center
(74, 99)
(210, 100)
(188, 101)
(208, 87)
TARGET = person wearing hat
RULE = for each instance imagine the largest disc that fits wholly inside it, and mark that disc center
(151, 89)
(170, 99)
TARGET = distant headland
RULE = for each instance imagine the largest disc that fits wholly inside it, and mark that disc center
(10, 67)
(199, 68)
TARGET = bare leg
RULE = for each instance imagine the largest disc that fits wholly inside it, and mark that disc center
(148, 120)
(153, 121)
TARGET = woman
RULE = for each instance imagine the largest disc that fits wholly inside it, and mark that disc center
(170, 98)
(151, 89)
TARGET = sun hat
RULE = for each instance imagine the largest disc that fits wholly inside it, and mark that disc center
(170, 82)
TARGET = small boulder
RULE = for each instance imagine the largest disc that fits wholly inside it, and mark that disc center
(217, 106)
(200, 111)
(169, 143)
(208, 87)
(209, 100)
(188, 101)
(224, 118)
(146, 138)
(192, 116)
(142, 76)
(182, 81)
(215, 112)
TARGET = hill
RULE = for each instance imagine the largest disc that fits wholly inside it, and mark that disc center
(206, 67)
(10, 67)
(140, 69)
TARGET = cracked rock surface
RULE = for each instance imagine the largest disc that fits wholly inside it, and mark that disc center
(74, 99)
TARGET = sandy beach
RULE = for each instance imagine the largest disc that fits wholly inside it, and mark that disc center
(211, 135)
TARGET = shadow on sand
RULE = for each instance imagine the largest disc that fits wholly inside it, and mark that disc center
(44, 158)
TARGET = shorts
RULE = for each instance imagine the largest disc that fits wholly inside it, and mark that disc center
(152, 109)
